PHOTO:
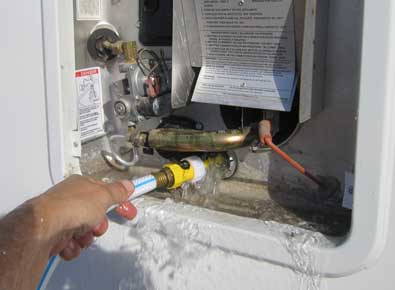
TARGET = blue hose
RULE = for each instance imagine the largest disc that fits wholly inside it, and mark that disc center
(142, 186)
(51, 266)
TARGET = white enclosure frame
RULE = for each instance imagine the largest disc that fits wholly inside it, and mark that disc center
(375, 143)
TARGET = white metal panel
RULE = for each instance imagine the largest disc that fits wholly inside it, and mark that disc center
(63, 134)
(375, 144)
(371, 217)
(251, 238)
(24, 171)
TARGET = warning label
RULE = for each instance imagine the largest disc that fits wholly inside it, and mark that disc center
(89, 90)
(89, 9)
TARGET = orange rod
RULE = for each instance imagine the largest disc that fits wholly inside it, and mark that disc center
(286, 157)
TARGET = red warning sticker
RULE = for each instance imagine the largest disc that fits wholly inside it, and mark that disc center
(90, 97)
(88, 72)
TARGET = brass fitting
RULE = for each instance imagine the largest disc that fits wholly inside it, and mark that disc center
(164, 178)
(126, 48)
(174, 175)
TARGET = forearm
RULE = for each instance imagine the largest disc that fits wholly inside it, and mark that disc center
(24, 247)
(61, 221)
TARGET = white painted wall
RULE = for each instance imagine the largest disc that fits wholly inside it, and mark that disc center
(23, 146)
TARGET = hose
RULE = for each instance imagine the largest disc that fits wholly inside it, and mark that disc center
(173, 175)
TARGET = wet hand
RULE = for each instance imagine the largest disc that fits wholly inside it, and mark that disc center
(73, 212)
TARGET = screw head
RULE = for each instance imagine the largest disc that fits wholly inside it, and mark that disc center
(120, 108)
(185, 164)
(241, 2)
(199, 126)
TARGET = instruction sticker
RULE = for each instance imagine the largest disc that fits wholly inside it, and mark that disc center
(89, 9)
(89, 90)
(248, 53)
(348, 197)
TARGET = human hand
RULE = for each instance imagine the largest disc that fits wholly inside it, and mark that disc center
(74, 212)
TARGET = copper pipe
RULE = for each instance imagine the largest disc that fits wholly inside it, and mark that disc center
(181, 140)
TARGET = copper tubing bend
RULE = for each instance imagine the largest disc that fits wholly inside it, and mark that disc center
(181, 140)
(265, 138)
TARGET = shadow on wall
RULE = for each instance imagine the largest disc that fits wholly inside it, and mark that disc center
(104, 270)
(100, 270)
(152, 252)
(326, 144)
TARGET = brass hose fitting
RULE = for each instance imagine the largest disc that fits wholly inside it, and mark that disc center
(164, 178)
